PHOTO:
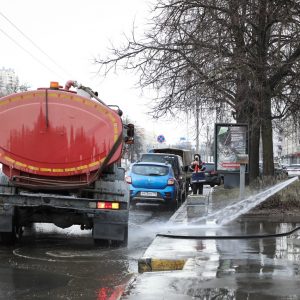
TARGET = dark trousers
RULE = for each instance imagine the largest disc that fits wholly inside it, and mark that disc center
(197, 188)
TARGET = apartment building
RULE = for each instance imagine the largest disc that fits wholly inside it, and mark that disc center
(8, 78)
(288, 142)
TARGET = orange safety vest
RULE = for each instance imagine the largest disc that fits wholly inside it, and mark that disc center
(196, 166)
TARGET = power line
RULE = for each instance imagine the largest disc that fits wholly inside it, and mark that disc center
(19, 45)
(35, 45)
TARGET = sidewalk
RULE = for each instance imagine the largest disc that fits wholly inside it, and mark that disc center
(179, 268)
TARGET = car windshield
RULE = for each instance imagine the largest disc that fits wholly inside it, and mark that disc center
(160, 159)
(150, 170)
(209, 167)
(293, 167)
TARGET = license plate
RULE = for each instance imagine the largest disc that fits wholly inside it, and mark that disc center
(151, 194)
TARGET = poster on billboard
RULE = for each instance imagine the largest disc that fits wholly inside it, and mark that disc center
(231, 140)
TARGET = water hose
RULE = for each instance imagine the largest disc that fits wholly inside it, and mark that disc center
(228, 237)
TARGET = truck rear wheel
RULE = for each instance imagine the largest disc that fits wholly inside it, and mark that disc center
(101, 242)
(9, 238)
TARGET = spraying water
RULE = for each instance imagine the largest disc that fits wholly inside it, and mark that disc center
(231, 212)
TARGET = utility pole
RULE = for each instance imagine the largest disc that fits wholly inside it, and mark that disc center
(187, 125)
(197, 125)
(207, 150)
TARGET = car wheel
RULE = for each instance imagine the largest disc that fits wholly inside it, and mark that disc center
(182, 197)
(212, 185)
(187, 187)
(173, 203)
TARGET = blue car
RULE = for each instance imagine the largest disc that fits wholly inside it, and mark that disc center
(152, 182)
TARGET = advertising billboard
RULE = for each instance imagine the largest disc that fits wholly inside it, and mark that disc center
(231, 140)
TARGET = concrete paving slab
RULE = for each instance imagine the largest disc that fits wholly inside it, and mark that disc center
(197, 200)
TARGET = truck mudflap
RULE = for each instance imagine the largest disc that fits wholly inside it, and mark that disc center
(111, 225)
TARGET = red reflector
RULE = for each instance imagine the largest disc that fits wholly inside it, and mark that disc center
(108, 205)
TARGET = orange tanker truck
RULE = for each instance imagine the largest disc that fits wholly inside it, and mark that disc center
(60, 150)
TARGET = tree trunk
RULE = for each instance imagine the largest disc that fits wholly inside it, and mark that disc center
(254, 137)
(267, 138)
(245, 115)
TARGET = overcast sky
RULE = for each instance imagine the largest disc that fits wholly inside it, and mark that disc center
(69, 34)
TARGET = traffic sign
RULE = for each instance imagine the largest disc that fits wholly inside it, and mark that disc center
(161, 138)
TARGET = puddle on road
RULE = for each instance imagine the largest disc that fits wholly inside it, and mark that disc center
(231, 269)
(257, 269)
(15, 282)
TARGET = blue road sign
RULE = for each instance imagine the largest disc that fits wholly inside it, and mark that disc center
(161, 138)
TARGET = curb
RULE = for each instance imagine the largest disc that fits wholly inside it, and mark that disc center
(197, 203)
(157, 264)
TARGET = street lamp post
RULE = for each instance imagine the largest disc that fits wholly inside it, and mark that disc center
(197, 125)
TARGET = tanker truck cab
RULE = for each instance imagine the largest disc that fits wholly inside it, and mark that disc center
(61, 151)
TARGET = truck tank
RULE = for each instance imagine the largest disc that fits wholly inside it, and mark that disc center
(54, 138)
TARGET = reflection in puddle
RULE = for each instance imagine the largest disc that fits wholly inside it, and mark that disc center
(259, 268)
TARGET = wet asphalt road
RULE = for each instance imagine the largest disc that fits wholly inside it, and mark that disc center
(51, 263)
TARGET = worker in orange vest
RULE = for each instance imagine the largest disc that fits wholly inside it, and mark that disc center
(197, 167)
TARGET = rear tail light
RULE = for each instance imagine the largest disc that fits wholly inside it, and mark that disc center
(128, 179)
(108, 205)
(171, 181)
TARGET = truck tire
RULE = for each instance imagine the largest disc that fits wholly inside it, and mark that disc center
(10, 238)
(101, 243)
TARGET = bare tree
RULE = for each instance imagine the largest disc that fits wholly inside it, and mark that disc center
(241, 55)
(13, 87)
(135, 149)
